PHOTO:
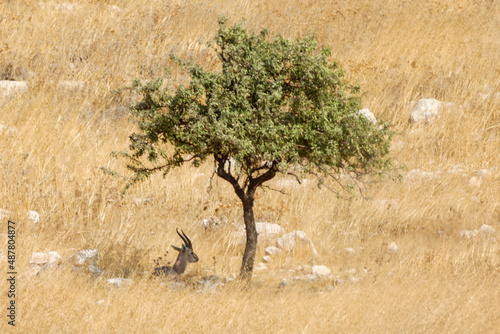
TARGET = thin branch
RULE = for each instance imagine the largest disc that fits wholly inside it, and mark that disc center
(296, 177)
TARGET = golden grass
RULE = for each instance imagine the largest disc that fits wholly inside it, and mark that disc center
(398, 51)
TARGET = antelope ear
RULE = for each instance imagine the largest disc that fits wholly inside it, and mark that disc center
(176, 248)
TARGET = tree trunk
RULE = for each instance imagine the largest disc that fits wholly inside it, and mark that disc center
(251, 245)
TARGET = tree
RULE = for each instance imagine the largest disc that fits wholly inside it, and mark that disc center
(277, 106)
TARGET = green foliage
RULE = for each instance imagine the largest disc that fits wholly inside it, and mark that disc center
(278, 105)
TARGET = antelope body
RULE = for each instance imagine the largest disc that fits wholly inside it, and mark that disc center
(186, 255)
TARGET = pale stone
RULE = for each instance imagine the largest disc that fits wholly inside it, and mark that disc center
(39, 258)
(86, 257)
(393, 247)
(119, 282)
(475, 182)
(290, 241)
(10, 89)
(271, 250)
(486, 229)
(321, 271)
(54, 258)
(33, 216)
(267, 258)
(427, 110)
(368, 115)
(350, 250)
(260, 267)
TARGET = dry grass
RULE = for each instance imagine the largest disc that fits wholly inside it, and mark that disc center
(399, 51)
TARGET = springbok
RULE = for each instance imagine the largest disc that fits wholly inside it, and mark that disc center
(186, 255)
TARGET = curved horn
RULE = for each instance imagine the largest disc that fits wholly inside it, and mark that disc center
(187, 238)
(186, 243)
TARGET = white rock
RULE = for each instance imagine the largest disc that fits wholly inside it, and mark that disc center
(368, 114)
(10, 89)
(54, 258)
(475, 182)
(269, 230)
(33, 216)
(267, 258)
(427, 110)
(266, 231)
(119, 282)
(271, 250)
(291, 241)
(4, 213)
(468, 234)
(312, 277)
(486, 229)
(260, 267)
(321, 271)
(350, 250)
(393, 246)
(39, 258)
(86, 257)
(94, 270)
(100, 301)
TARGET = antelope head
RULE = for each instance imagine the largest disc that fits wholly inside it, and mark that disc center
(186, 255)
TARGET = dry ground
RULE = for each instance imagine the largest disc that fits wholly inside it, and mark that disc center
(398, 51)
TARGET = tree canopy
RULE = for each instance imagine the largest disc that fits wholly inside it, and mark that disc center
(277, 106)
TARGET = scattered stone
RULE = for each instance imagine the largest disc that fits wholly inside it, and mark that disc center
(33, 216)
(368, 115)
(9, 89)
(211, 284)
(269, 230)
(54, 260)
(272, 251)
(211, 223)
(260, 267)
(321, 271)
(39, 258)
(469, 234)
(483, 230)
(95, 271)
(475, 182)
(85, 257)
(350, 250)
(354, 279)
(393, 247)
(428, 110)
(291, 241)
(4, 213)
(312, 277)
(119, 282)
(231, 278)
(486, 229)
(267, 258)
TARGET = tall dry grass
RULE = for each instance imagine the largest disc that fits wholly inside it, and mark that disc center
(398, 51)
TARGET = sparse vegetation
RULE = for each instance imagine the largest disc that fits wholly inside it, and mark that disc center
(398, 51)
